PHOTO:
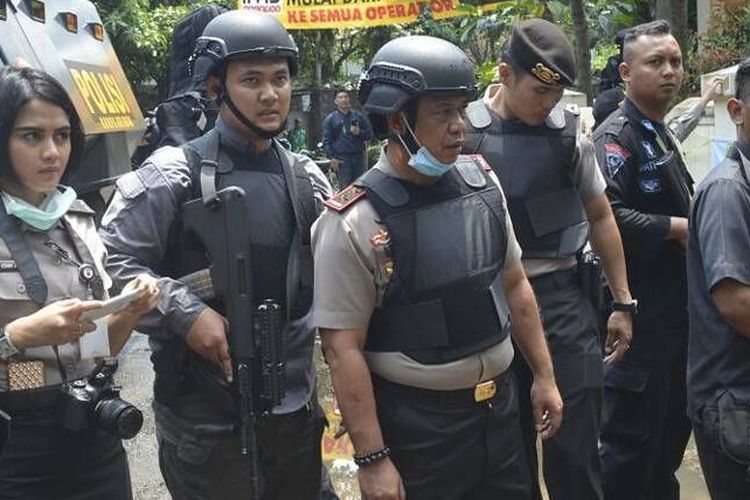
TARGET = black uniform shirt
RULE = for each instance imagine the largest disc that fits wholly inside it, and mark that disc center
(719, 248)
(647, 183)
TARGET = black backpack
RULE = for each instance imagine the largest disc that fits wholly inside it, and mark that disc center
(186, 111)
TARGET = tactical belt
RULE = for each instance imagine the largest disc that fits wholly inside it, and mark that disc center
(488, 391)
(556, 280)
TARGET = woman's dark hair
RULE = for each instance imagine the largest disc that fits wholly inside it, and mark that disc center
(18, 86)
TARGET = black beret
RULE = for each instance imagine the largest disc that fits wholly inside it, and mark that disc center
(542, 49)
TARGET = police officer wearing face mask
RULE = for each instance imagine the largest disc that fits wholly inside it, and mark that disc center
(417, 277)
(247, 60)
(556, 201)
(644, 424)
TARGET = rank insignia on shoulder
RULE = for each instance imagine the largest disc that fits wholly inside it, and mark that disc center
(345, 198)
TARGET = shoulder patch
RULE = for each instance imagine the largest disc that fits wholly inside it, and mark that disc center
(345, 199)
(616, 156)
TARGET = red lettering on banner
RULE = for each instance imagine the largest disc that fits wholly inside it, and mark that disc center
(414, 9)
(303, 16)
(382, 11)
(291, 17)
(357, 16)
(370, 13)
(400, 12)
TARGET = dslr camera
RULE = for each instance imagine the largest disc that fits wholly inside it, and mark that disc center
(93, 402)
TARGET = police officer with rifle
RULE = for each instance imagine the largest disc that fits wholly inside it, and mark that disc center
(234, 401)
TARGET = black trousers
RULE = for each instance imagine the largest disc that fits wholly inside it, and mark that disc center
(571, 457)
(645, 428)
(199, 467)
(41, 461)
(727, 479)
(448, 447)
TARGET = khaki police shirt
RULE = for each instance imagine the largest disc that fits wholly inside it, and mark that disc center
(346, 296)
(62, 283)
(589, 183)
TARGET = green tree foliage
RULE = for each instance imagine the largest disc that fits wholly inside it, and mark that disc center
(725, 43)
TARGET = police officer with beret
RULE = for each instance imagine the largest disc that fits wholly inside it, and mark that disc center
(644, 424)
(556, 199)
(247, 60)
(417, 276)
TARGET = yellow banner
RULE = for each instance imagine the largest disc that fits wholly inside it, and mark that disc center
(328, 14)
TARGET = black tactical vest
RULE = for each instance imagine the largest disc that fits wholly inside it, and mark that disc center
(445, 299)
(534, 165)
(280, 212)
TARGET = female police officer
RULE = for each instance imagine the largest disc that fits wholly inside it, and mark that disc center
(51, 265)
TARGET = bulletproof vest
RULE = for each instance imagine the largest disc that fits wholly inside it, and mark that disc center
(280, 212)
(445, 299)
(535, 168)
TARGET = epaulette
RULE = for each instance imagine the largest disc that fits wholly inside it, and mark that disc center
(345, 198)
(80, 206)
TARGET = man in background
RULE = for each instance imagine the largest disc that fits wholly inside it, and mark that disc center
(345, 135)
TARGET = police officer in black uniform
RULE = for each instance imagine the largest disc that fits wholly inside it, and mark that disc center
(556, 199)
(645, 428)
(417, 276)
(248, 60)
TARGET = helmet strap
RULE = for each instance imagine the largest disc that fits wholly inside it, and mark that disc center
(408, 138)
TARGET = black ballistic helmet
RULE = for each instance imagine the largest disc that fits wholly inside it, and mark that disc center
(409, 67)
(241, 34)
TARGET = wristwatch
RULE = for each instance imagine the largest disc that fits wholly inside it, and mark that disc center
(631, 306)
(7, 349)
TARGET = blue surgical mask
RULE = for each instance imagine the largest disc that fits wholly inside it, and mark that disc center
(44, 217)
(426, 164)
(423, 161)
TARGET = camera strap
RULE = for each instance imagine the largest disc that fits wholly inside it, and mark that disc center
(60, 366)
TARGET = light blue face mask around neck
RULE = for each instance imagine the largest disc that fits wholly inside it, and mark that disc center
(426, 164)
(423, 161)
(41, 218)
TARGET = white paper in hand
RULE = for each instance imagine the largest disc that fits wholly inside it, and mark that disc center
(95, 344)
(112, 305)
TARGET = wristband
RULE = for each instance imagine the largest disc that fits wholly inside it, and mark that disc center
(371, 458)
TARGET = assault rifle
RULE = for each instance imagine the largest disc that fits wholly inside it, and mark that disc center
(220, 225)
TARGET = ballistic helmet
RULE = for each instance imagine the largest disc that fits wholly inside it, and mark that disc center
(241, 34)
(409, 67)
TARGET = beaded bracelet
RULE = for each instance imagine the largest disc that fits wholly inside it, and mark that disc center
(371, 458)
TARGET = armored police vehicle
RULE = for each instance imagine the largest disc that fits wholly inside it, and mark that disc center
(66, 38)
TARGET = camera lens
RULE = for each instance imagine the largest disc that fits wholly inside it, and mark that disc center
(118, 417)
